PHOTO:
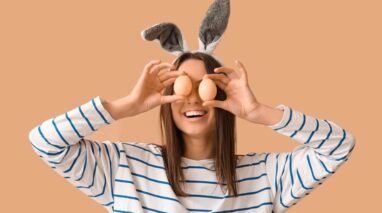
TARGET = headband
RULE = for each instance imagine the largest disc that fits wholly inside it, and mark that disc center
(210, 32)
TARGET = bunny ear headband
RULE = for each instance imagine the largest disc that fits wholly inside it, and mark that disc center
(210, 32)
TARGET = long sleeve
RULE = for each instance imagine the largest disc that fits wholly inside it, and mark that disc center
(88, 165)
(324, 147)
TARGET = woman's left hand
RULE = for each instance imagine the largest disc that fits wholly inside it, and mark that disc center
(240, 100)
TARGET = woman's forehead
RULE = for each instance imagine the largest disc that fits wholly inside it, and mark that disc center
(195, 69)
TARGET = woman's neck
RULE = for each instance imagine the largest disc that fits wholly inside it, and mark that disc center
(199, 147)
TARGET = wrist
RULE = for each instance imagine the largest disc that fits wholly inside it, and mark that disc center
(120, 108)
(266, 115)
(254, 114)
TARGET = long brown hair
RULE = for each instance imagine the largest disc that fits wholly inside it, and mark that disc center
(173, 147)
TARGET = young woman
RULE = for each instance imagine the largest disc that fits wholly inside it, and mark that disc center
(196, 168)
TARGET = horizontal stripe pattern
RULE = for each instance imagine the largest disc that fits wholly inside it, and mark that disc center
(323, 148)
(130, 176)
(88, 165)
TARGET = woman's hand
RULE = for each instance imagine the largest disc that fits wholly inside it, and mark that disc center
(240, 100)
(147, 93)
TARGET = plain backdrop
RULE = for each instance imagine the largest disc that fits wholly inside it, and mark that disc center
(322, 58)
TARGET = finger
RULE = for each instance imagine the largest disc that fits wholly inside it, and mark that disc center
(164, 66)
(228, 71)
(242, 69)
(171, 98)
(171, 74)
(159, 67)
(168, 82)
(215, 103)
(162, 71)
(223, 78)
(221, 85)
(149, 65)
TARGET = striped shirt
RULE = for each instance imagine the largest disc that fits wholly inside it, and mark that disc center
(130, 176)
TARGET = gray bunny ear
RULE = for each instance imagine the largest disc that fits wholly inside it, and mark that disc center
(213, 26)
(169, 36)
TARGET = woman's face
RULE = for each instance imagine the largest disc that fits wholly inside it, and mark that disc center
(198, 126)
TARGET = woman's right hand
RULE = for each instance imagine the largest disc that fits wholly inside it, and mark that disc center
(147, 93)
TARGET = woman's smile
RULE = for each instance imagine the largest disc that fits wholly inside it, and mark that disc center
(195, 115)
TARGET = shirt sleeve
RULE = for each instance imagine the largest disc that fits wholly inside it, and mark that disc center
(89, 165)
(323, 147)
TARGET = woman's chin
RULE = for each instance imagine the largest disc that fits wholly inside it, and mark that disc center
(195, 131)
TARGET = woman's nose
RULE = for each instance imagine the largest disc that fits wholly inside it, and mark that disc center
(194, 97)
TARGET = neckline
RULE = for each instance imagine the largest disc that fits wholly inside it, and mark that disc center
(197, 161)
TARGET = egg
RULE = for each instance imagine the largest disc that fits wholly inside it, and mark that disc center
(182, 85)
(207, 89)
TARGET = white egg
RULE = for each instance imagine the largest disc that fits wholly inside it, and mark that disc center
(207, 89)
(182, 85)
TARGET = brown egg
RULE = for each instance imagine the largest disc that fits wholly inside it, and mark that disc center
(182, 85)
(207, 89)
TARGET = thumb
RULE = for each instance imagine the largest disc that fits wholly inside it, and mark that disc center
(171, 98)
(215, 103)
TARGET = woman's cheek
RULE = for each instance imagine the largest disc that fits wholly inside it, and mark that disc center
(176, 114)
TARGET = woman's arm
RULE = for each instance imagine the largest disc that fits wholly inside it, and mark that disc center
(88, 165)
(91, 165)
(264, 114)
(324, 147)
(120, 108)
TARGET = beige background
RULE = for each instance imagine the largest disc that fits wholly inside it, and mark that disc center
(320, 57)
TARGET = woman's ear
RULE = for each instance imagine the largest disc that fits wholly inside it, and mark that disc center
(169, 36)
(213, 26)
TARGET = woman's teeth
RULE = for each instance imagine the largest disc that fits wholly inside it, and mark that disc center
(192, 114)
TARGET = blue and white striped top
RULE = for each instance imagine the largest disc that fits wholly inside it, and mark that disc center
(130, 176)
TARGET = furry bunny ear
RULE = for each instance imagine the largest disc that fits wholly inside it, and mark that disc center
(169, 36)
(213, 26)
